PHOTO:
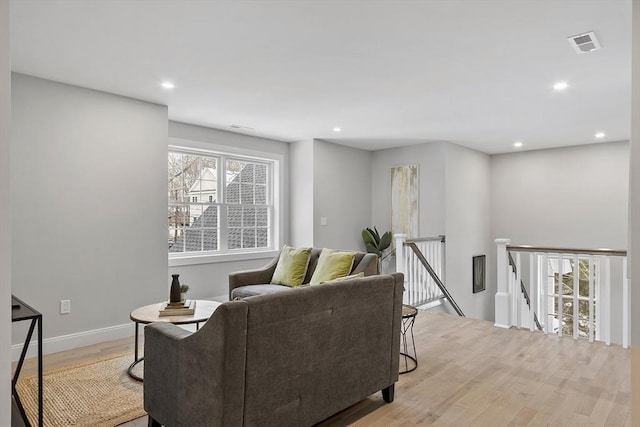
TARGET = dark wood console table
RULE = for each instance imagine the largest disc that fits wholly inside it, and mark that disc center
(26, 312)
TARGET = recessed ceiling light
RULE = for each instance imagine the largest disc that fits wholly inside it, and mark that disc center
(560, 86)
(167, 85)
(518, 144)
(337, 129)
(600, 135)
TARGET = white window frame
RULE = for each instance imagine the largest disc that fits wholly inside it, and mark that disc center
(551, 293)
(275, 191)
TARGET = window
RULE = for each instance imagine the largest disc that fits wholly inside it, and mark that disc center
(560, 279)
(219, 203)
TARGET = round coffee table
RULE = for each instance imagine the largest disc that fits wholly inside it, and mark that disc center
(151, 313)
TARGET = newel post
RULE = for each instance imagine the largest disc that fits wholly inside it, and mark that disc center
(503, 309)
(399, 239)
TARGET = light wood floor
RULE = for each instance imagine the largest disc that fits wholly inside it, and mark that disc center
(471, 374)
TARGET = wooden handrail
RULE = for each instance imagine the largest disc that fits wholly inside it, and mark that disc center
(440, 238)
(574, 251)
(434, 276)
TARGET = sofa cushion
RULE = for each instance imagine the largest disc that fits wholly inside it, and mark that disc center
(292, 266)
(332, 264)
(341, 279)
(253, 290)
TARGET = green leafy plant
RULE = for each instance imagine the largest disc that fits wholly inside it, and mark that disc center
(184, 289)
(377, 244)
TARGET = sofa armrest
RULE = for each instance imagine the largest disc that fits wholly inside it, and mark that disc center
(367, 265)
(197, 378)
(259, 276)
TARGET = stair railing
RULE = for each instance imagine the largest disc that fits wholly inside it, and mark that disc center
(570, 288)
(422, 262)
(525, 294)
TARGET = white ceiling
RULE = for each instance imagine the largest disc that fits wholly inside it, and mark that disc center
(389, 73)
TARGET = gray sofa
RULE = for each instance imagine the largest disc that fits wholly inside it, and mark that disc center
(249, 283)
(285, 359)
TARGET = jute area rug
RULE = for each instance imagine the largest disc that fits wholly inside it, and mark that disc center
(96, 393)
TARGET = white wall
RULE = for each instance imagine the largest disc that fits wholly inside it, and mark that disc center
(341, 194)
(570, 197)
(454, 199)
(634, 217)
(430, 159)
(89, 205)
(573, 197)
(5, 215)
(211, 279)
(467, 227)
(301, 193)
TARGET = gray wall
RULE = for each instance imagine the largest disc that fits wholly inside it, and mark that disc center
(634, 216)
(210, 279)
(467, 227)
(454, 196)
(5, 214)
(301, 193)
(332, 181)
(341, 194)
(571, 197)
(89, 204)
(430, 159)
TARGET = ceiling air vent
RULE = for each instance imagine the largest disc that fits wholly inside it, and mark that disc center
(584, 43)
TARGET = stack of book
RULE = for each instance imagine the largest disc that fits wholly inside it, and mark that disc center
(182, 308)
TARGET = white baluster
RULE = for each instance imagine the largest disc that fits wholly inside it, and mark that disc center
(591, 307)
(502, 302)
(517, 291)
(533, 292)
(412, 275)
(576, 291)
(560, 311)
(625, 305)
(607, 302)
(544, 286)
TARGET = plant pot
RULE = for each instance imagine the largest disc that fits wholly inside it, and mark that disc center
(183, 296)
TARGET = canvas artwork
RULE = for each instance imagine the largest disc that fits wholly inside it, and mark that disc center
(404, 200)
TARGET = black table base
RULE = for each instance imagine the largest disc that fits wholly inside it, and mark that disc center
(21, 311)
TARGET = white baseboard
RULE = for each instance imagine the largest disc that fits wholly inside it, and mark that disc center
(71, 341)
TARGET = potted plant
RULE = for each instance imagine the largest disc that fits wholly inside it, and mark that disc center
(377, 244)
(183, 292)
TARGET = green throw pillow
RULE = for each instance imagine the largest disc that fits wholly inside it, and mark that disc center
(332, 264)
(292, 266)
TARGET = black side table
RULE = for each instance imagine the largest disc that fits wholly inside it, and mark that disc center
(21, 311)
(410, 359)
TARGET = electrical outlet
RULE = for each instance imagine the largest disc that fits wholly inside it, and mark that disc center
(65, 306)
(323, 220)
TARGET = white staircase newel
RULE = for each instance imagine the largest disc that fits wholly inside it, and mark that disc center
(401, 260)
(502, 298)
(533, 294)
